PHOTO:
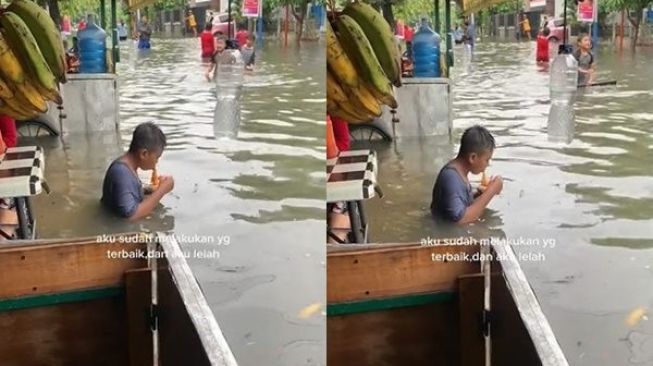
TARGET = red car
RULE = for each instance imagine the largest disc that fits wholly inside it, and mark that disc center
(557, 30)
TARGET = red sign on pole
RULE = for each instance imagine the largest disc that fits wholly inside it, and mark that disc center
(587, 11)
(251, 8)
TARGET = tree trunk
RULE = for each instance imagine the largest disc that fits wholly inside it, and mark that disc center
(300, 30)
(635, 23)
(300, 17)
(55, 14)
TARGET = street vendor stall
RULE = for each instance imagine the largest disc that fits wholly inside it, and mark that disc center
(90, 100)
(424, 98)
(21, 177)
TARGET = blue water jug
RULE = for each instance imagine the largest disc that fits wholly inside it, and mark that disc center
(92, 48)
(426, 52)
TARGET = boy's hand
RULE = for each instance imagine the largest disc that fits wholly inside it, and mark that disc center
(496, 185)
(166, 184)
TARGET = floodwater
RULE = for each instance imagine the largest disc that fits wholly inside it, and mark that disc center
(259, 197)
(593, 196)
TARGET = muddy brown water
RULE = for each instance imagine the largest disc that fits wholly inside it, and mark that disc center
(262, 192)
(592, 198)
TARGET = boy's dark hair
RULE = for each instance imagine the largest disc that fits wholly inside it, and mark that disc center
(476, 139)
(147, 136)
(208, 27)
(546, 31)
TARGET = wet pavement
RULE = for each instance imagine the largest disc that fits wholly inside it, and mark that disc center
(590, 201)
(262, 193)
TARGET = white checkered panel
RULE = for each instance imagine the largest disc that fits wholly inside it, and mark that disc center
(21, 171)
(351, 176)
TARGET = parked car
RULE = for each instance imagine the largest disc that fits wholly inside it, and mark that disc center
(220, 23)
(557, 30)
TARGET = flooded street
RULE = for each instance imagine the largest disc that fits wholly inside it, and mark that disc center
(260, 197)
(587, 206)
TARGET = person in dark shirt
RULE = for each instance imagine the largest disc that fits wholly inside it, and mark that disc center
(221, 56)
(122, 190)
(585, 58)
(453, 198)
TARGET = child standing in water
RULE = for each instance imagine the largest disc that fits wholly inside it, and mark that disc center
(220, 57)
(208, 43)
(249, 53)
(543, 45)
(586, 66)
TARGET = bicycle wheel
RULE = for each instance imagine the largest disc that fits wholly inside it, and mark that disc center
(35, 128)
(368, 133)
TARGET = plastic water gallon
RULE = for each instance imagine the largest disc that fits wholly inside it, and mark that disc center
(426, 52)
(92, 48)
(563, 86)
(229, 85)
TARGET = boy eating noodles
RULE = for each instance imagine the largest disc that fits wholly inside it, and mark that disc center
(453, 198)
(122, 190)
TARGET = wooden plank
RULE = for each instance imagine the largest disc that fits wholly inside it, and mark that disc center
(511, 343)
(470, 307)
(70, 241)
(72, 334)
(389, 303)
(520, 321)
(189, 333)
(417, 336)
(383, 272)
(139, 339)
(178, 338)
(51, 268)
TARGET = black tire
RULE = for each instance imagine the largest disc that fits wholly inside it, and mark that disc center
(35, 128)
(25, 229)
(356, 224)
(554, 39)
(368, 133)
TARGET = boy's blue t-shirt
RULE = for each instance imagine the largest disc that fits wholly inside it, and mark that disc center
(122, 191)
(451, 195)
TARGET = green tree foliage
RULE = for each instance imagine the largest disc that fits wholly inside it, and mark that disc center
(634, 12)
(299, 10)
(412, 11)
(77, 9)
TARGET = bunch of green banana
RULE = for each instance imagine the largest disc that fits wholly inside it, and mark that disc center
(363, 64)
(32, 60)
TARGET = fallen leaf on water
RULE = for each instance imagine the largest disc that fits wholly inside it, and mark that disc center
(310, 310)
(635, 316)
